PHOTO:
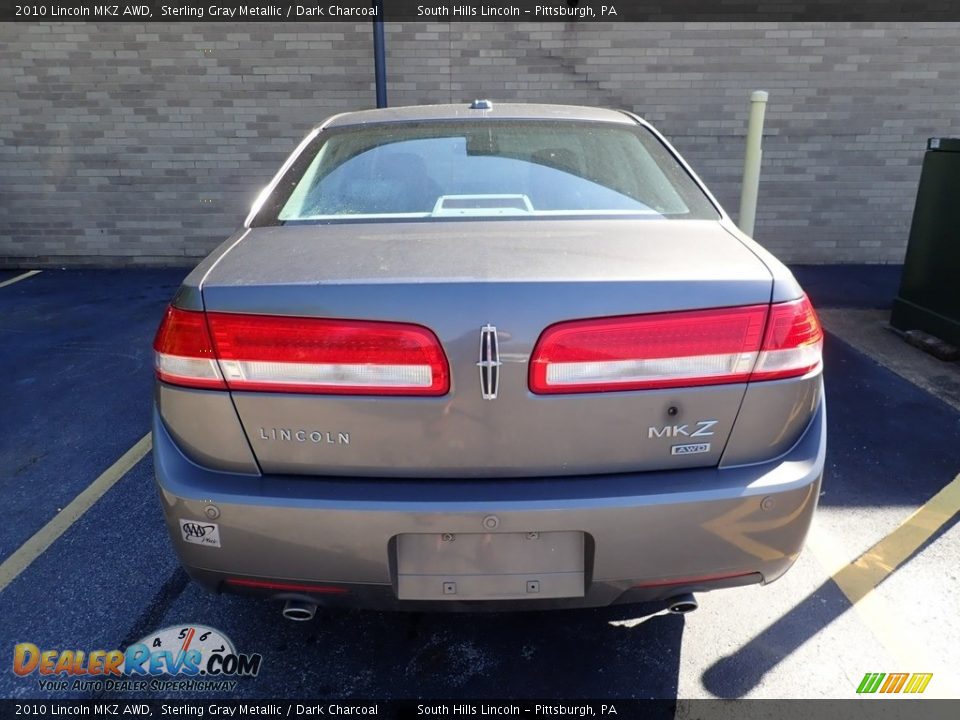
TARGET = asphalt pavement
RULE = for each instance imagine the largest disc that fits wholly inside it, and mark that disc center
(76, 364)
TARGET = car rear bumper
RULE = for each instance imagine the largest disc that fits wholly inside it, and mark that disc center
(647, 536)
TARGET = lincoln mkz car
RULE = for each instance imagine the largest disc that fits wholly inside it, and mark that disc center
(484, 356)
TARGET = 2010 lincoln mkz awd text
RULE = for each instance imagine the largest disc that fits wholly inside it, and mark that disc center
(488, 356)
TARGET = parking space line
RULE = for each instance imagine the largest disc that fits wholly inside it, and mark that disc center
(18, 278)
(61, 522)
(858, 579)
(861, 576)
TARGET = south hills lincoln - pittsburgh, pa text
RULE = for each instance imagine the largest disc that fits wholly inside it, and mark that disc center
(502, 11)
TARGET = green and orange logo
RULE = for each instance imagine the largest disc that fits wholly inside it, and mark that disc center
(913, 683)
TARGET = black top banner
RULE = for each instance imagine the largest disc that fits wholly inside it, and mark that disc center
(568, 11)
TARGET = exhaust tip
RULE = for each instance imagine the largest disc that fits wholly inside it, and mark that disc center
(299, 611)
(682, 604)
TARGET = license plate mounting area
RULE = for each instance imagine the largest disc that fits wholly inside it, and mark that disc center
(490, 566)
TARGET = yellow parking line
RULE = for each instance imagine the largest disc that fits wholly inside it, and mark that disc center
(18, 278)
(860, 577)
(45, 537)
(858, 580)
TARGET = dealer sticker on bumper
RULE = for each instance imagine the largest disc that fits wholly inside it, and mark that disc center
(691, 449)
(200, 533)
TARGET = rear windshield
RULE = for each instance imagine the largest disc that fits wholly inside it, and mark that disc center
(484, 169)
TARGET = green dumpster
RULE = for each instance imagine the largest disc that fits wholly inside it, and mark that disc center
(929, 297)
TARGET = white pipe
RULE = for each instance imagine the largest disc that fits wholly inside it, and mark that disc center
(751, 162)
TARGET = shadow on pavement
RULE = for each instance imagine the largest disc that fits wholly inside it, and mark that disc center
(889, 443)
(849, 286)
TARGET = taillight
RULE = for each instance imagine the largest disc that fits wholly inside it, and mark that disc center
(662, 350)
(184, 352)
(304, 355)
(793, 342)
(677, 349)
(265, 352)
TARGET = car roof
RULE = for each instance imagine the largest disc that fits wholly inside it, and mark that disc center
(463, 111)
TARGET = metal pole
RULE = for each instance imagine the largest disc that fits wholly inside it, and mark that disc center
(751, 161)
(379, 57)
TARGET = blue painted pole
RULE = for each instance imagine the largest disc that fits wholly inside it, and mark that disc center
(379, 56)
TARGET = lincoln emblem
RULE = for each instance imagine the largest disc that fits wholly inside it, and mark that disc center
(489, 362)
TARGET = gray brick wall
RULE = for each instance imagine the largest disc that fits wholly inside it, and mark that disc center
(146, 143)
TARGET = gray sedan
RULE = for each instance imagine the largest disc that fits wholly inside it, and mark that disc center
(486, 357)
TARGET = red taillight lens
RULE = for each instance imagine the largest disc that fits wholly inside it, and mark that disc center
(184, 352)
(680, 349)
(350, 357)
(663, 350)
(793, 342)
(304, 355)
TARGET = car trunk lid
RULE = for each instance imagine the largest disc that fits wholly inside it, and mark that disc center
(457, 278)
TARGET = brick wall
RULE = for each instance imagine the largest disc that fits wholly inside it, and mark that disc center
(146, 143)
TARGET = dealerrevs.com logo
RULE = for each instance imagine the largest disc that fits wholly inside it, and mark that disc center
(180, 657)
